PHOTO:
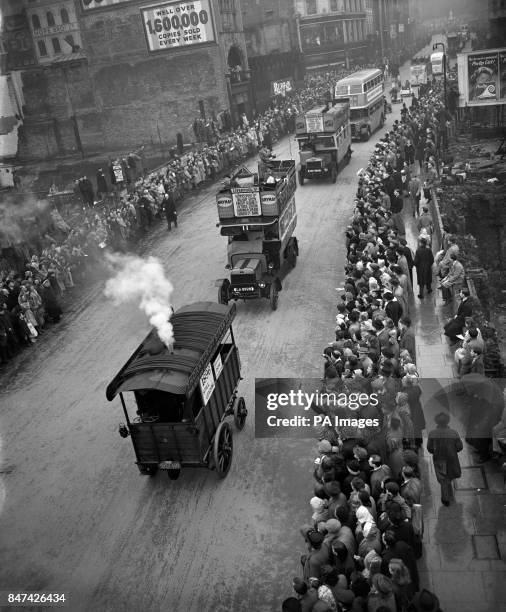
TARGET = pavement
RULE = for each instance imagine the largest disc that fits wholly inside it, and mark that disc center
(464, 544)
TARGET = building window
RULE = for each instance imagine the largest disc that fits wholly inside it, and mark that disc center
(42, 48)
(64, 16)
(311, 7)
(56, 45)
(333, 6)
(227, 6)
(50, 19)
(70, 39)
(35, 22)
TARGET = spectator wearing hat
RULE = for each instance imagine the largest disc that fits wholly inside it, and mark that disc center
(291, 604)
(393, 308)
(338, 585)
(317, 557)
(424, 601)
(336, 497)
(444, 444)
(397, 549)
(307, 596)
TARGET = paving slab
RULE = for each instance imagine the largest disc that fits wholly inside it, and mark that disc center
(486, 547)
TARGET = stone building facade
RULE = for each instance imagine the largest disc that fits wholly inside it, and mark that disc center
(114, 87)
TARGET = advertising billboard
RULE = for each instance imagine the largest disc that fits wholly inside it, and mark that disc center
(18, 43)
(281, 88)
(482, 77)
(178, 24)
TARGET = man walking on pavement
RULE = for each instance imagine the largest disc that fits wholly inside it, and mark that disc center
(423, 264)
(444, 444)
(415, 193)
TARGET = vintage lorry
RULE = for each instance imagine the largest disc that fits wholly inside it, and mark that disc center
(257, 214)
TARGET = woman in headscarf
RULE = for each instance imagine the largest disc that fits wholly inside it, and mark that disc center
(364, 519)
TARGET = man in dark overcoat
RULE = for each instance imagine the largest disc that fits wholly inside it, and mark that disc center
(169, 209)
(444, 444)
(50, 301)
(423, 264)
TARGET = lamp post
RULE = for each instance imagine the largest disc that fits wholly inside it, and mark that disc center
(434, 47)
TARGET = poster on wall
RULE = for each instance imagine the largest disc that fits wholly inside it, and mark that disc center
(179, 24)
(18, 43)
(482, 77)
(483, 71)
(282, 87)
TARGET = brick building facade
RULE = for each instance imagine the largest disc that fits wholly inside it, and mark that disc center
(111, 91)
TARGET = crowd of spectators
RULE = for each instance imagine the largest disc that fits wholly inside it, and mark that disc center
(366, 527)
(124, 204)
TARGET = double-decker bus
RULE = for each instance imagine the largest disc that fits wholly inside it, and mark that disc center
(437, 60)
(364, 91)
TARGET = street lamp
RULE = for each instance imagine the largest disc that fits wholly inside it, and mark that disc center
(434, 47)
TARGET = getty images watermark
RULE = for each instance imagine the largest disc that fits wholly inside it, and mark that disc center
(301, 408)
(294, 408)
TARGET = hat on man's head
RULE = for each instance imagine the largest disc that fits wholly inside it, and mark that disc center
(425, 601)
(443, 418)
(324, 446)
(315, 537)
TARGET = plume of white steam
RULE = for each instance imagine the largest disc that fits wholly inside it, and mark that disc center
(143, 279)
(19, 213)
